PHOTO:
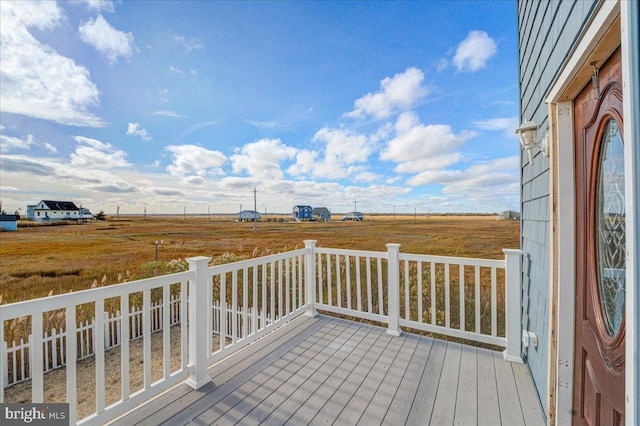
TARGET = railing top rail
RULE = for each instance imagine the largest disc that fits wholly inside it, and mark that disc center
(234, 266)
(488, 263)
(44, 304)
(361, 253)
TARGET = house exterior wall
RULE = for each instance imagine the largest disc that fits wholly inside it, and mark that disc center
(547, 31)
(321, 214)
(248, 215)
(302, 212)
(8, 223)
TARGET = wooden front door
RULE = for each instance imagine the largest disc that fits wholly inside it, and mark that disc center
(598, 392)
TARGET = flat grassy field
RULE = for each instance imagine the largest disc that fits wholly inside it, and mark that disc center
(43, 260)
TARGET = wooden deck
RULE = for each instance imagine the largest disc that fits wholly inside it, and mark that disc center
(325, 370)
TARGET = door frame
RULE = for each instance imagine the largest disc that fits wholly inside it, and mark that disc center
(610, 26)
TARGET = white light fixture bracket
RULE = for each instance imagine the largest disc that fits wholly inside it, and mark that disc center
(528, 139)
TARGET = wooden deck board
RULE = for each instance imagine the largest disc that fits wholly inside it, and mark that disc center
(528, 398)
(510, 409)
(175, 400)
(422, 405)
(306, 401)
(306, 377)
(347, 387)
(381, 401)
(218, 391)
(403, 400)
(444, 407)
(325, 370)
(354, 409)
(238, 401)
(467, 400)
(488, 406)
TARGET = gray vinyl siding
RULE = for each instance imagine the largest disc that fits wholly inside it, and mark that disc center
(547, 32)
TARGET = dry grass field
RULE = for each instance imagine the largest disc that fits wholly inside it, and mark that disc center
(43, 260)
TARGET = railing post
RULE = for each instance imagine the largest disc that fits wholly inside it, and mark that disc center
(310, 277)
(198, 327)
(513, 305)
(393, 288)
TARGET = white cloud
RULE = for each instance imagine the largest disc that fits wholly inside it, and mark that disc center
(189, 159)
(508, 125)
(175, 70)
(261, 159)
(418, 147)
(52, 149)
(134, 129)
(488, 186)
(106, 39)
(474, 51)
(305, 161)
(397, 93)
(189, 44)
(198, 126)
(262, 124)
(101, 5)
(344, 146)
(7, 143)
(479, 177)
(92, 153)
(442, 65)
(35, 80)
(166, 113)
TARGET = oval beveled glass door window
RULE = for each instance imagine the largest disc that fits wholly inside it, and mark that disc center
(610, 229)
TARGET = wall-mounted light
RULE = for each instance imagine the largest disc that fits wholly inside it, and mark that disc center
(528, 139)
(595, 79)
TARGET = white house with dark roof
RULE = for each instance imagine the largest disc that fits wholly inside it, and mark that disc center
(49, 210)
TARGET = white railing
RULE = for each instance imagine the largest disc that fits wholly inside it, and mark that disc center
(92, 337)
(17, 356)
(459, 297)
(232, 305)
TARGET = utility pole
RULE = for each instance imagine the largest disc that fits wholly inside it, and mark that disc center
(184, 213)
(255, 211)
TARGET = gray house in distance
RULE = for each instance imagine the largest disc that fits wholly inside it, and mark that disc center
(321, 214)
(355, 216)
(580, 203)
(248, 216)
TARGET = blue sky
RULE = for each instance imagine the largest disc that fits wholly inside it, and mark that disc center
(190, 105)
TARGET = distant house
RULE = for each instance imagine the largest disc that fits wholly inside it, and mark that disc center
(509, 215)
(248, 216)
(321, 214)
(355, 216)
(8, 222)
(48, 211)
(85, 214)
(301, 212)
